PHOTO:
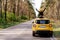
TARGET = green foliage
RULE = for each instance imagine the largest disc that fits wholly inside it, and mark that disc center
(56, 33)
(24, 17)
(11, 17)
(11, 20)
(18, 19)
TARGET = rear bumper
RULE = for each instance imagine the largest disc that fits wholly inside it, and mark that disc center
(43, 32)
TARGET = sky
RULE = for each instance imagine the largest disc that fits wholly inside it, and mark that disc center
(36, 5)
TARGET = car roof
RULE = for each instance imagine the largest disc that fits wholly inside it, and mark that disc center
(41, 19)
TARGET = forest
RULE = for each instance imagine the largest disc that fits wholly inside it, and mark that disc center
(13, 12)
(52, 9)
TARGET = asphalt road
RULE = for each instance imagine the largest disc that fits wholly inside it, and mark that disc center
(22, 31)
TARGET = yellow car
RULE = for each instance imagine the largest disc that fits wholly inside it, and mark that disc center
(42, 26)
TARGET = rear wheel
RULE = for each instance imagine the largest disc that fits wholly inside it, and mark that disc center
(33, 33)
(50, 34)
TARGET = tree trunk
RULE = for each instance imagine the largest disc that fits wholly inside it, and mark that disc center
(1, 8)
(5, 11)
(18, 8)
(14, 7)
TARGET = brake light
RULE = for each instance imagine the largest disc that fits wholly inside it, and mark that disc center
(50, 25)
(34, 25)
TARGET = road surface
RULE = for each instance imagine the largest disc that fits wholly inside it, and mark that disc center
(20, 32)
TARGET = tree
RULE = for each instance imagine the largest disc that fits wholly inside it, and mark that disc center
(18, 7)
(14, 6)
(5, 11)
(1, 9)
(30, 9)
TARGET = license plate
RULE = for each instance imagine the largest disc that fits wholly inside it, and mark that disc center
(42, 26)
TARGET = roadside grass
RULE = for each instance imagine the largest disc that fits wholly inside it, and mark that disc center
(9, 24)
(56, 29)
(57, 32)
(3, 26)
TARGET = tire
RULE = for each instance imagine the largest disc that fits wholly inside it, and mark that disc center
(33, 33)
(51, 34)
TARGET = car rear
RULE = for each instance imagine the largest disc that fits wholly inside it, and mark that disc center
(42, 27)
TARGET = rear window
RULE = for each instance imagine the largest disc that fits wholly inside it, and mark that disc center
(42, 21)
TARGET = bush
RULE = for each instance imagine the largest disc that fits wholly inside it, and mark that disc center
(11, 17)
(18, 19)
(11, 20)
(24, 17)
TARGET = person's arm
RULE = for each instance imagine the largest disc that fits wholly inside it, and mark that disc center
(37, 10)
(44, 10)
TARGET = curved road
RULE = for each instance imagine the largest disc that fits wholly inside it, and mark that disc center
(20, 32)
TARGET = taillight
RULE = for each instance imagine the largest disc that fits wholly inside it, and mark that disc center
(50, 25)
(34, 25)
